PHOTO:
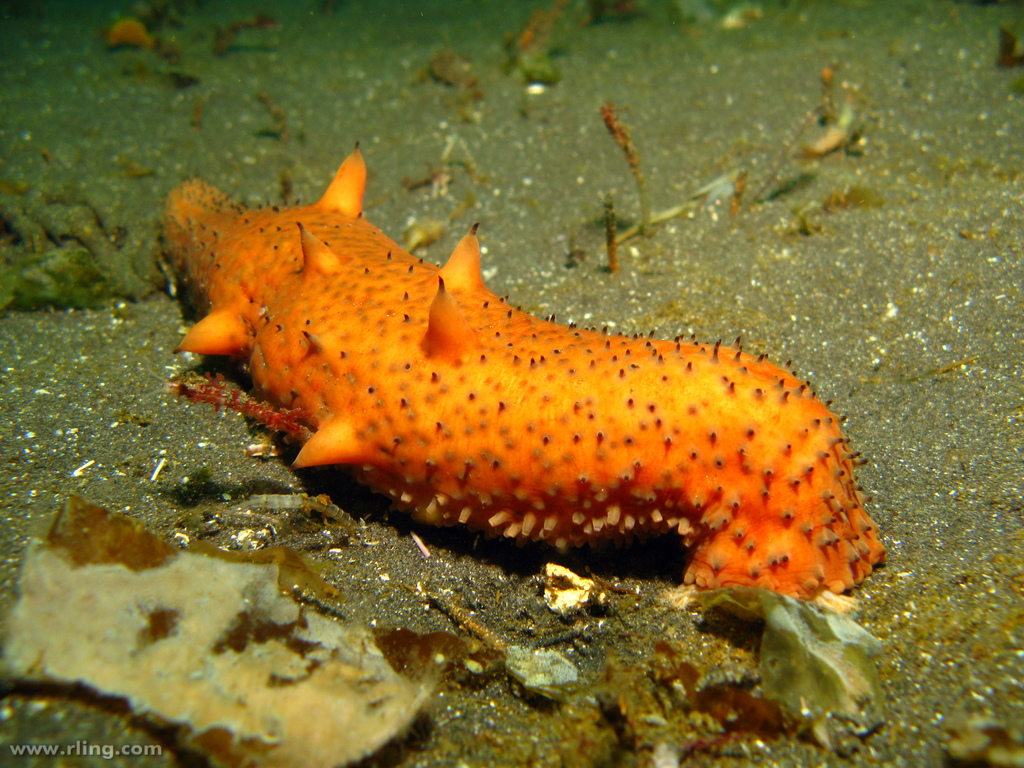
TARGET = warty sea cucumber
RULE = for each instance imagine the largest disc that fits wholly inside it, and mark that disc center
(465, 410)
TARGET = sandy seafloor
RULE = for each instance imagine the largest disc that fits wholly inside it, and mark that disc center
(907, 315)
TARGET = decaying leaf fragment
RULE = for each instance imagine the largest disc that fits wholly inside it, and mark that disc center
(566, 592)
(250, 676)
(818, 664)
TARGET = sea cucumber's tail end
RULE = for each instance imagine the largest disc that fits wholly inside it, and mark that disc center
(794, 561)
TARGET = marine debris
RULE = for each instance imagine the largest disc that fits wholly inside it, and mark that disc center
(836, 118)
(620, 132)
(129, 33)
(213, 652)
(541, 671)
(740, 16)
(452, 68)
(610, 226)
(816, 664)
(567, 593)
(731, 185)
(599, 11)
(838, 124)
(421, 233)
(215, 390)
(667, 705)
(978, 740)
(1010, 52)
(139, 32)
(529, 52)
(837, 127)
(224, 37)
(279, 130)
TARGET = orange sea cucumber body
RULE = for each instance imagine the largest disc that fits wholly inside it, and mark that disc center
(465, 410)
